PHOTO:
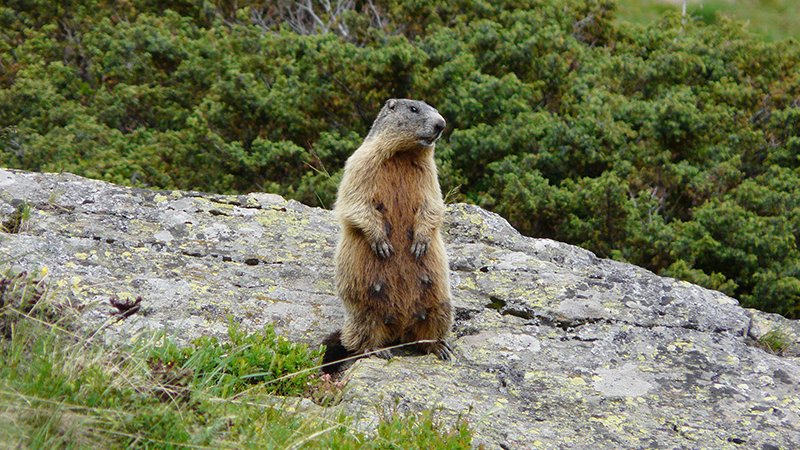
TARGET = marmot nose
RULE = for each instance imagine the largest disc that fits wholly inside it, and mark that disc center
(438, 126)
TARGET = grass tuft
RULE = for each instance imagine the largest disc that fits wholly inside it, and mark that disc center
(17, 219)
(776, 341)
(227, 368)
(22, 295)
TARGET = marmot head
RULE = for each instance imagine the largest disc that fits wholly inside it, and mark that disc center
(408, 124)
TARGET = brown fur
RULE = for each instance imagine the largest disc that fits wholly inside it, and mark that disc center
(391, 266)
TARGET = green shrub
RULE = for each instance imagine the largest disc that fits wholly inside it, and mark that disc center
(672, 145)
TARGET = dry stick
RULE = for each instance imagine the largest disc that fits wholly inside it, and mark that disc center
(308, 438)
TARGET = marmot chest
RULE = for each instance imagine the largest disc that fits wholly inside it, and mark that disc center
(399, 193)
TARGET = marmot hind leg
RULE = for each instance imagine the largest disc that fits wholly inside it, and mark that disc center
(432, 324)
(365, 336)
(335, 353)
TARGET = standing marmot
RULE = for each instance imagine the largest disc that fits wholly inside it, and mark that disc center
(391, 268)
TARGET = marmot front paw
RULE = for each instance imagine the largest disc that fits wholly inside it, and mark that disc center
(420, 246)
(382, 248)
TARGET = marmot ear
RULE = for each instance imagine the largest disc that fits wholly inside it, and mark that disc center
(391, 103)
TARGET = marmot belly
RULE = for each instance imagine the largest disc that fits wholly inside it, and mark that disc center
(399, 291)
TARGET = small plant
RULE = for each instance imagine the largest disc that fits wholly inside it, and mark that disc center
(126, 307)
(23, 294)
(776, 341)
(228, 368)
(423, 431)
(17, 219)
(328, 390)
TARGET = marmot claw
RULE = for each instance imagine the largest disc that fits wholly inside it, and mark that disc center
(383, 249)
(419, 248)
(443, 351)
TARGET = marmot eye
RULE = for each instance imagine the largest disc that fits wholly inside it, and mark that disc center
(413, 109)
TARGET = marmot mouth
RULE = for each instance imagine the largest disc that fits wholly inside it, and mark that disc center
(427, 142)
(430, 140)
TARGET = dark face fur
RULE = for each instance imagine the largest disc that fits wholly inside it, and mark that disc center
(412, 121)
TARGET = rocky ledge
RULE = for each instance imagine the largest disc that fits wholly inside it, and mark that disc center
(555, 348)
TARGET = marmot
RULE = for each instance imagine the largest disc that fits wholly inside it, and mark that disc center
(391, 268)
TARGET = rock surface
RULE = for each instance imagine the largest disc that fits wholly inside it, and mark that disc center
(555, 348)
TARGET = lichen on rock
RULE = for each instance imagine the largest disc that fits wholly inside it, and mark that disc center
(555, 348)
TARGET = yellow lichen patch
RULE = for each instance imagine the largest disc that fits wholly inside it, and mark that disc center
(289, 256)
(199, 288)
(251, 202)
(577, 381)
(160, 198)
(467, 283)
(532, 297)
(325, 285)
(272, 217)
(612, 421)
(534, 375)
(125, 295)
(208, 204)
(314, 241)
(82, 256)
(680, 344)
(487, 376)
(75, 284)
(271, 289)
(143, 226)
(476, 220)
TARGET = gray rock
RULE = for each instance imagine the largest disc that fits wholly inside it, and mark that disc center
(555, 348)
